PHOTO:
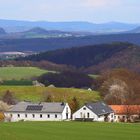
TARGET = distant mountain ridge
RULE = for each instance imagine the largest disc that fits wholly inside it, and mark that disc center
(38, 32)
(2, 31)
(136, 30)
(19, 26)
(43, 44)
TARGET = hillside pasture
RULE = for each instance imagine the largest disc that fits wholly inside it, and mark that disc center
(58, 94)
(68, 131)
(18, 73)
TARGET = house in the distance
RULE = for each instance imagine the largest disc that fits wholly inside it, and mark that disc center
(98, 111)
(125, 113)
(27, 111)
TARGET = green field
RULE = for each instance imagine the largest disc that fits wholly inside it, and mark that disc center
(93, 76)
(59, 94)
(17, 73)
(68, 131)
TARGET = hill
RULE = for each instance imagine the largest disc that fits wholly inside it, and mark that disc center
(18, 73)
(96, 57)
(128, 58)
(59, 94)
(38, 32)
(42, 44)
(2, 31)
(136, 30)
(20, 26)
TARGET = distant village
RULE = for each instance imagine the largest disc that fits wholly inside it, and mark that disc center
(13, 55)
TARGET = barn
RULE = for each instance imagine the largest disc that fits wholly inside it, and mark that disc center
(28, 111)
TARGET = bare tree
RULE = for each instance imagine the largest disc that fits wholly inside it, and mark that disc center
(48, 98)
(8, 98)
(3, 106)
(116, 91)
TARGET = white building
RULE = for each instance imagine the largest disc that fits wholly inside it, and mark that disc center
(27, 111)
(125, 113)
(94, 112)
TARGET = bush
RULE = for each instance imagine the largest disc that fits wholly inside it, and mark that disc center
(2, 116)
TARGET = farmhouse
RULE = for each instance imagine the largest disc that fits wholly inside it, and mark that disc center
(94, 112)
(27, 111)
(124, 113)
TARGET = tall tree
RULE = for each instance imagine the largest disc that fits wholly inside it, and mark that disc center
(74, 104)
(8, 98)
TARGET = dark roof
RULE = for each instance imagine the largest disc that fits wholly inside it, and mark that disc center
(54, 107)
(99, 108)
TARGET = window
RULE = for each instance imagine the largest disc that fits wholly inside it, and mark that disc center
(55, 115)
(67, 115)
(67, 110)
(33, 115)
(48, 115)
(18, 115)
(123, 117)
(11, 115)
(81, 114)
(40, 115)
(111, 116)
(25, 115)
(84, 108)
(88, 115)
(103, 110)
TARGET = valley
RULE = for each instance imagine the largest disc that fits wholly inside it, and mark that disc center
(69, 70)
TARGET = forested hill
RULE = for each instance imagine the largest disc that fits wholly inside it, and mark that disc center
(40, 44)
(95, 57)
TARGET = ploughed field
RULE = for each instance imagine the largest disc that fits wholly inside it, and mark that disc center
(69, 131)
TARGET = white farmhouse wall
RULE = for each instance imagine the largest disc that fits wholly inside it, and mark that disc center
(29, 116)
(111, 117)
(83, 113)
(25, 116)
(66, 114)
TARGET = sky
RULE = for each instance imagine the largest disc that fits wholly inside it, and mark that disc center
(97, 11)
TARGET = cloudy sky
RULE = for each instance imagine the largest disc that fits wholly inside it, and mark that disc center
(71, 10)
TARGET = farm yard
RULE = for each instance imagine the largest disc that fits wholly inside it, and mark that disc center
(69, 131)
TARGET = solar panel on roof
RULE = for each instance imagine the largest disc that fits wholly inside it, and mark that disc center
(103, 110)
(34, 107)
(90, 107)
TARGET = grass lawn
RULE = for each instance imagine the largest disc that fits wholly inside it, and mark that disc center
(68, 131)
(17, 73)
(58, 94)
(93, 76)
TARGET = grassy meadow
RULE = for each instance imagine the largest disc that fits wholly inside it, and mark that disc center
(69, 131)
(58, 94)
(18, 73)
